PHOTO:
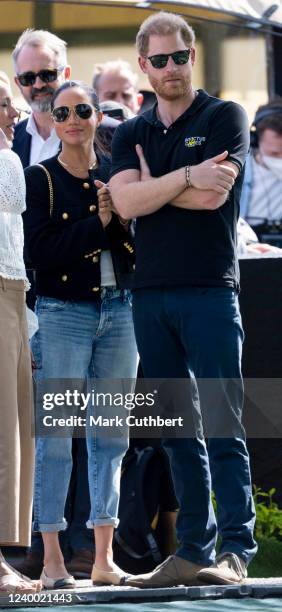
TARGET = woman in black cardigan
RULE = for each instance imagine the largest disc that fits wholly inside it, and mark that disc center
(83, 256)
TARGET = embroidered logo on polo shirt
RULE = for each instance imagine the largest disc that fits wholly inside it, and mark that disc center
(194, 141)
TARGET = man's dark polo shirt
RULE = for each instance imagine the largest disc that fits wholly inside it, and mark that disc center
(176, 246)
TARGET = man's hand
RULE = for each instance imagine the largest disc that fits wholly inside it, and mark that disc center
(145, 174)
(4, 142)
(261, 247)
(213, 175)
(105, 203)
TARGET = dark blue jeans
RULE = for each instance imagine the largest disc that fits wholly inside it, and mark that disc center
(197, 332)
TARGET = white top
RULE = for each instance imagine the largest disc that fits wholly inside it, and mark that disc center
(41, 149)
(32, 322)
(12, 204)
(108, 278)
(266, 198)
(245, 236)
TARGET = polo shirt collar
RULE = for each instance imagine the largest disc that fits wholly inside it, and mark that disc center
(151, 115)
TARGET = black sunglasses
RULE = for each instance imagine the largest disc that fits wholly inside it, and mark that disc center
(83, 111)
(116, 113)
(179, 57)
(27, 79)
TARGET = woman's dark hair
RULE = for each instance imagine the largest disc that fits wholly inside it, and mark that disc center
(91, 93)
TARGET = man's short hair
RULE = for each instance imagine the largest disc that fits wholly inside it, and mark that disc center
(39, 38)
(269, 117)
(120, 66)
(163, 24)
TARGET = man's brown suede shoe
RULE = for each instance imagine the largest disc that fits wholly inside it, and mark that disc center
(81, 563)
(31, 565)
(174, 571)
(227, 569)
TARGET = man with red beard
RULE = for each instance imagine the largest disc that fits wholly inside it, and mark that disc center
(178, 169)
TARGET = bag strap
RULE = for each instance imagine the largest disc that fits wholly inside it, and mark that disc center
(148, 454)
(51, 191)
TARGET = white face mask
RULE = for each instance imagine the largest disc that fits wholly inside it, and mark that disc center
(274, 164)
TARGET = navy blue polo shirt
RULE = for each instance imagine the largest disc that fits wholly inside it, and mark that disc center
(176, 246)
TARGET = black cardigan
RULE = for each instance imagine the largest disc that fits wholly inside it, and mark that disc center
(65, 246)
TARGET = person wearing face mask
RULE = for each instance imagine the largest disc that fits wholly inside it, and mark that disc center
(261, 203)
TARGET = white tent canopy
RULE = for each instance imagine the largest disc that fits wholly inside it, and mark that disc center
(244, 12)
(259, 10)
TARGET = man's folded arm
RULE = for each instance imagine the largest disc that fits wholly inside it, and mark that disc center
(199, 199)
(135, 198)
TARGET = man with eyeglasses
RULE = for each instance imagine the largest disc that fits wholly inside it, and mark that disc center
(41, 66)
(178, 169)
(40, 62)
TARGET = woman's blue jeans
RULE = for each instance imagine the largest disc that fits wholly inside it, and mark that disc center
(81, 340)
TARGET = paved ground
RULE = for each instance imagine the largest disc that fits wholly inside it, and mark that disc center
(85, 593)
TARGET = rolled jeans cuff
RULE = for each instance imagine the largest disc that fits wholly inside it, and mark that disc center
(49, 527)
(100, 522)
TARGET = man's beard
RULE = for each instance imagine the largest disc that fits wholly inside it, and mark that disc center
(178, 91)
(41, 106)
(38, 105)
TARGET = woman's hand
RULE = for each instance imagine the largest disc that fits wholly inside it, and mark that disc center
(105, 203)
(106, 206)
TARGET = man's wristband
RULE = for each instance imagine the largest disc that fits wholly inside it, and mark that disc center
(188, 176)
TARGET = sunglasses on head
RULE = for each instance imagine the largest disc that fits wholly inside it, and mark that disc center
(83, 111)
(27, 79)
(179, 57)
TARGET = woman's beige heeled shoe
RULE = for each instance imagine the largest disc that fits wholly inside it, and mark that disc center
(57, 583)
(101, 577)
